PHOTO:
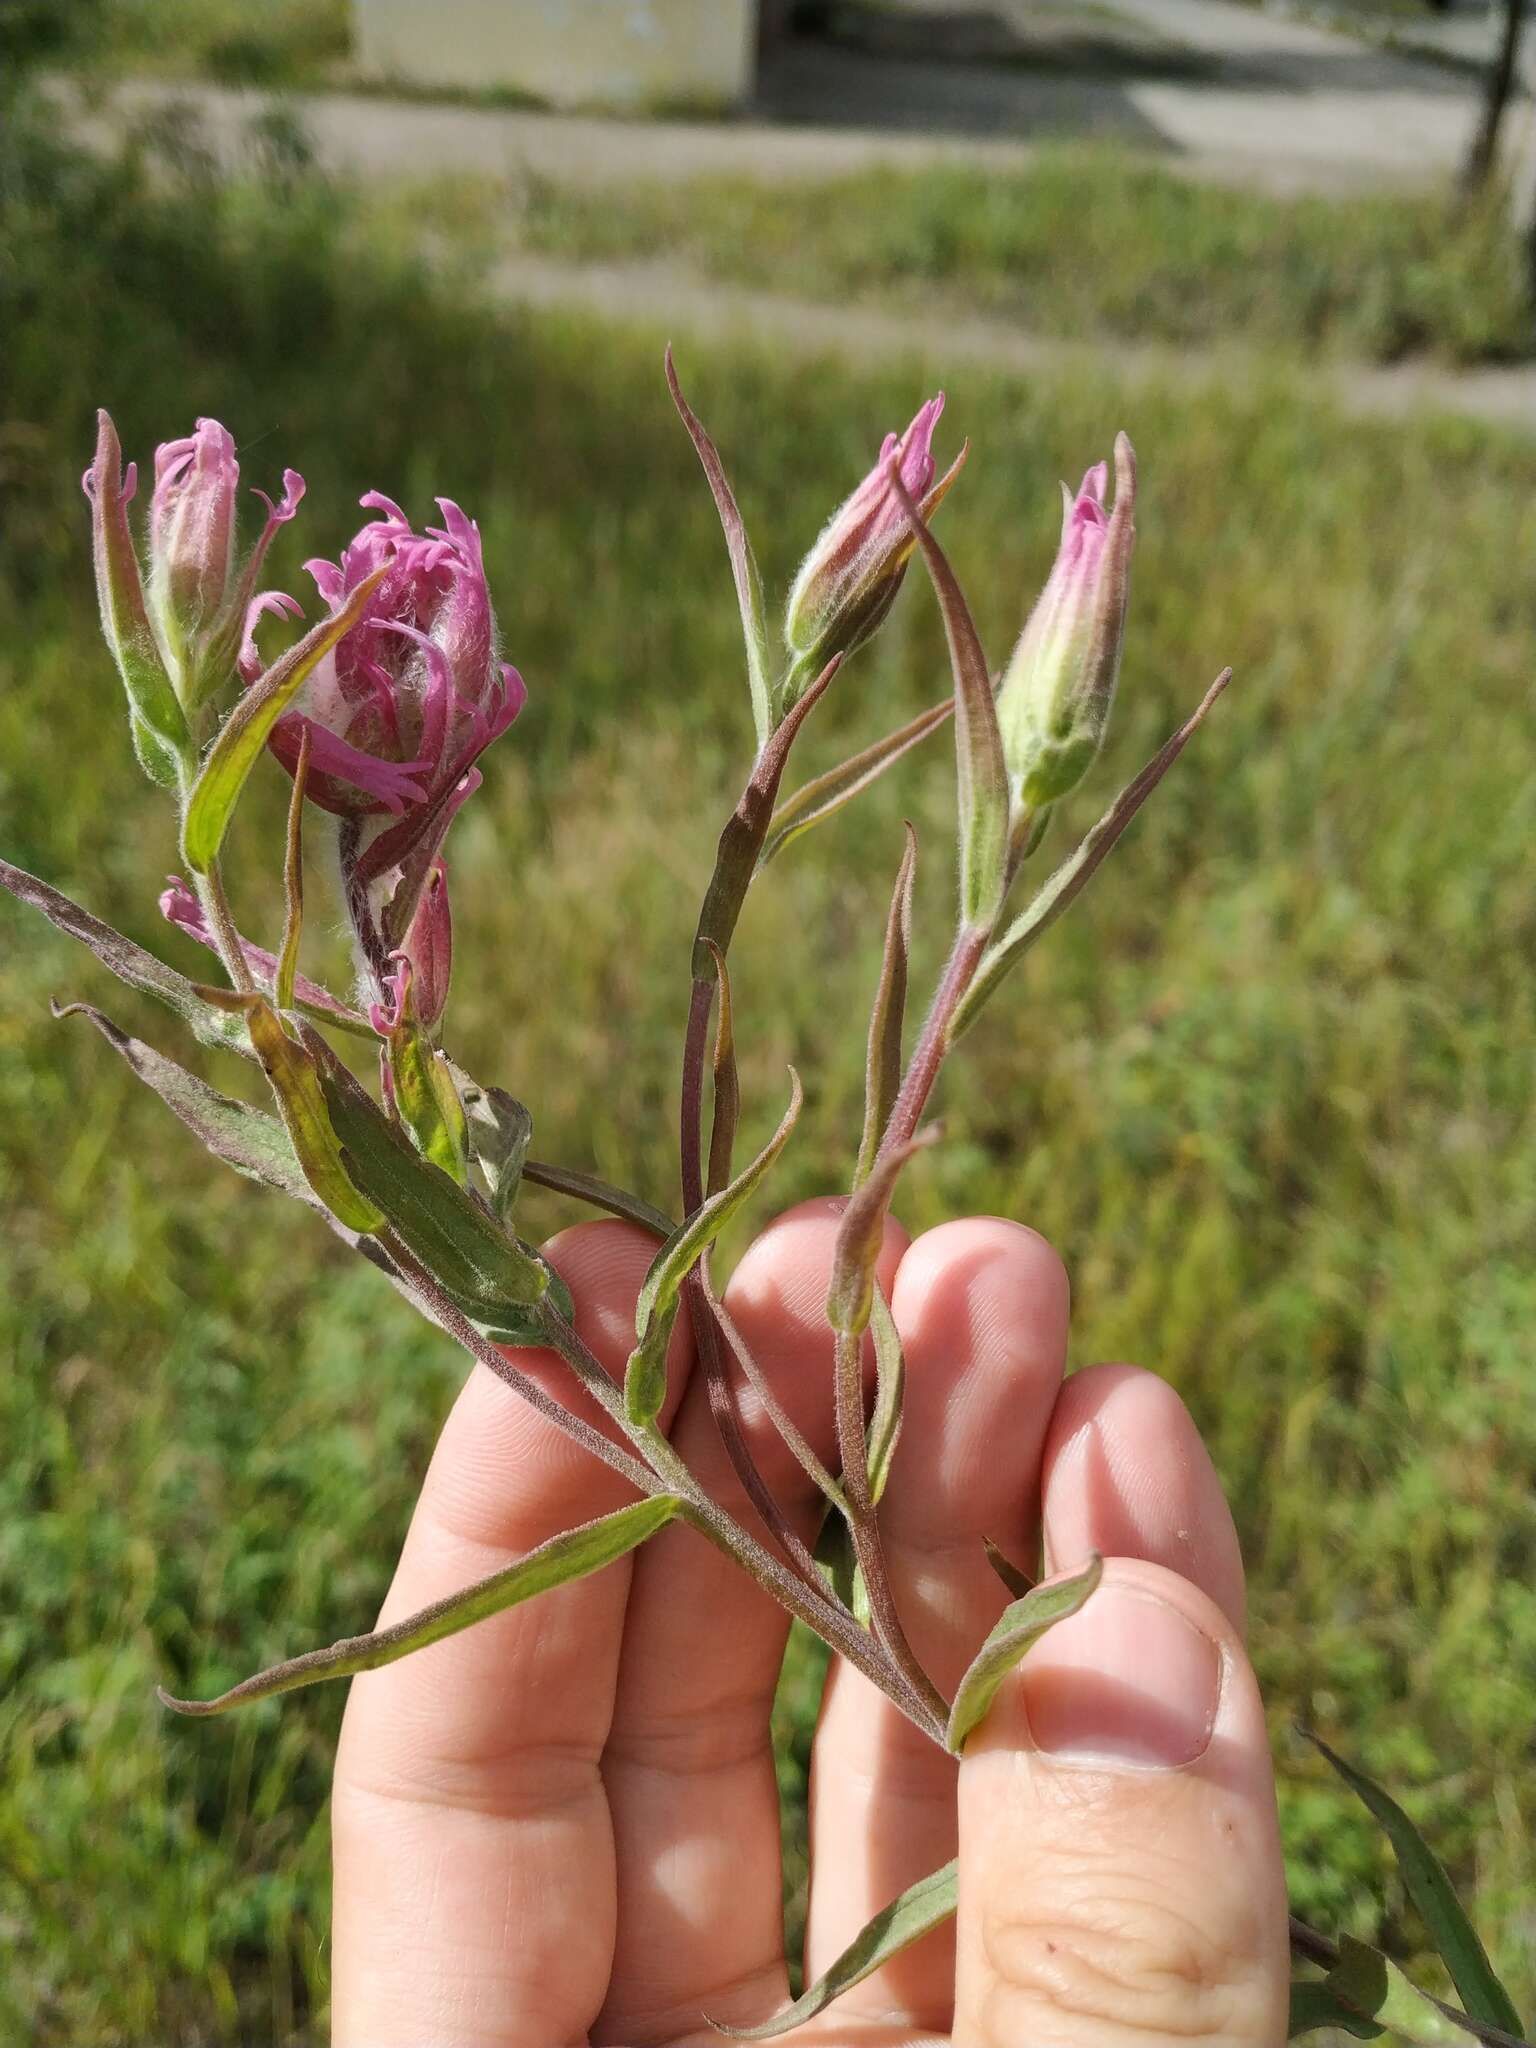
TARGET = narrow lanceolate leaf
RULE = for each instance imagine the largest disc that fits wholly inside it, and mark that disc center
(1078, 869)
(890, 1392)
(286, 977)
(1428, 1885)
(851, 1292)
(726, 1112)
(819, 799)
(1018, 1627)
(244, 733)
(982, 771)
(484, 1271)
(882, 1065)
(500, 1132)
(555, 1563)
(247, 1139)
(749, 589)
(656, 1310)
(301, 1105)
(599, 1194)
(742, 840)
(130, 963)
(916, 1912)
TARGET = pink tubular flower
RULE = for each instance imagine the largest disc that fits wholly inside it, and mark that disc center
(197, 591)
(420, 970)
(399, 711)
(1059, 686)
(849, 580)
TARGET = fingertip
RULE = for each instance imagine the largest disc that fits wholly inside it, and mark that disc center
(783, 1275)
(995, 1270)
(1125, 1473)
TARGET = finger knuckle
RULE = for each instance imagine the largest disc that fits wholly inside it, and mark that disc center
(1118, 1963)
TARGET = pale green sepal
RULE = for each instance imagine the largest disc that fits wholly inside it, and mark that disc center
(1019, 1625)
(246, 730)
(573, 1555)
(916, 1912)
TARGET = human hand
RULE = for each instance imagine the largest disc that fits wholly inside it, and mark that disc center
(562, 1824)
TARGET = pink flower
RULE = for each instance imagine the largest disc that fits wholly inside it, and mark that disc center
(420, 970)
(849, 580)
(1059, 686)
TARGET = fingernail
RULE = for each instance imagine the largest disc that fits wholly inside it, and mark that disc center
(1129, 1681)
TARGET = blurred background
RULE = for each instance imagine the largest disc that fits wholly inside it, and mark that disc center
(1270, 1089)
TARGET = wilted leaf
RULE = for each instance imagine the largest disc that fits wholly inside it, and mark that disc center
(919, 1909)
(571, 1556)
(1018, 1627)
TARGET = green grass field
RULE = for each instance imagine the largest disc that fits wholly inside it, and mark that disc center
(1270, 1089)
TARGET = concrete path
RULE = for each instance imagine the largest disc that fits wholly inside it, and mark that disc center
(678, 303)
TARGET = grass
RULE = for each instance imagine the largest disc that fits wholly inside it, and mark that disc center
(1085, 242)
(1269, 1089)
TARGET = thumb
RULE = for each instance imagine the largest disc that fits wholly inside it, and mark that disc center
(1121, 1882)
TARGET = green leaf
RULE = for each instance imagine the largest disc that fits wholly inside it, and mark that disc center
(1078, 869)
(826, 794)
(1019, 1584)
(302, 1107)
(244, 733)
(573, 1555)
(484, 1271)
(656, 1310)
(882, 1064)
(749, 588)
(247, 1139)
(982, 771)
(1430, 1889)
(500, 1132)
(130, 963)
(860, 1234)
(890, 1390)
(1019, 1626)
(919, 1909)
(1314, 2004)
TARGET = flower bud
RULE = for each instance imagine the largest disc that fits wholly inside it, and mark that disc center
(192, 531)
(1059, 686)
(848, 582)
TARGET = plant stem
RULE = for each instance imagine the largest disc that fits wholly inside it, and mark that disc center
(221, 923)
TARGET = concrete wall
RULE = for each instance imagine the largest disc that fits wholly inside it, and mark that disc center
(570, 52)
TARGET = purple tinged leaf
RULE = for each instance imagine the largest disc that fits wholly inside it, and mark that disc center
(244, 733)
(749, 589)
(742, 839)
(982, 772)
(1078, 869)
(1019, 1626)
(727, 1103)
(1018, 1583)
(302, 1107)
(574, 1555)
(826, 794)
(130, 963)
(882, 1066)
(645, 1381)
(914, 1913)
(851, 1292)
(599, 1194)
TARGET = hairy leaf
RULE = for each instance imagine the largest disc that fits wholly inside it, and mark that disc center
(599, 1194)
(882, 1064)
(1429, 1887)
(916, 1912)
(1020, 1625)
(826, 794)
(244, 733)
(983, 773)
(656, 1310)
(851, 1292)
(570, 1556)
(749, 588)
(130, 963)
(1078, 869)
(483, 1270)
